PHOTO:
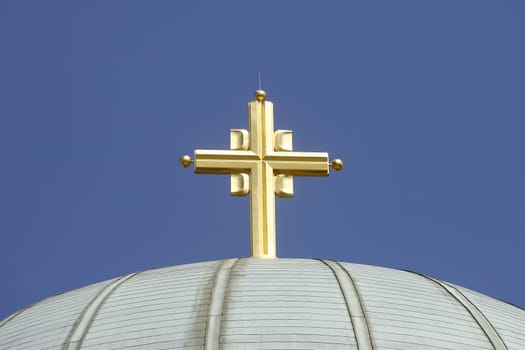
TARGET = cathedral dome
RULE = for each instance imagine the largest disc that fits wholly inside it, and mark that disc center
(268, 304)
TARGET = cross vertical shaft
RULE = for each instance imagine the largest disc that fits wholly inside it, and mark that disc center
(262, 198)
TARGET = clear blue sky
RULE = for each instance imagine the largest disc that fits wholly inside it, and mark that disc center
(98, 99)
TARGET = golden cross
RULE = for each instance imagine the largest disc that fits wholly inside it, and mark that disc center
(261, 162)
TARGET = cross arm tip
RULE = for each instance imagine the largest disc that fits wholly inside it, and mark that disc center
(337, 164)
(185, 161)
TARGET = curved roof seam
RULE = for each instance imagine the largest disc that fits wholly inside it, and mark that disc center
(353, 304)
(448, 285)
(13, 315)
(216, 305)
(9, 318)
(484, 324)
(359, 299)
(342, 290)
(81, 326)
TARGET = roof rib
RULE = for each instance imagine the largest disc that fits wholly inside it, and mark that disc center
(9, 318)
(220, 285)
(83, 323)
(353, 304)
(476, 314)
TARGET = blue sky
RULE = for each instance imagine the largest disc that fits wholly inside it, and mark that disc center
(424, 101)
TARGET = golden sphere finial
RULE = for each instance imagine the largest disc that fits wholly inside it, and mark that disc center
(185, 161)
(260, 95)
(337, 164)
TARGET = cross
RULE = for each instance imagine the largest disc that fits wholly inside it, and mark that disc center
(261, 163)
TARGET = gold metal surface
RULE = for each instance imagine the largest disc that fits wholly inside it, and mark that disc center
(260, 95)
(185, 161)
(337, 164)
(261, 163)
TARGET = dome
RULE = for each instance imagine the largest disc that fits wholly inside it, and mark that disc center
(252, 303)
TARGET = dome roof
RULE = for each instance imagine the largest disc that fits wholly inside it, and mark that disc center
(268, 304)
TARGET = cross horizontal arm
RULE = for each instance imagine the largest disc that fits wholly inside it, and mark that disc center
(299, 163)
(224, 162)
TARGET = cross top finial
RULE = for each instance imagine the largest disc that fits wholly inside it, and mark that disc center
(261, 163)
(260, 95)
